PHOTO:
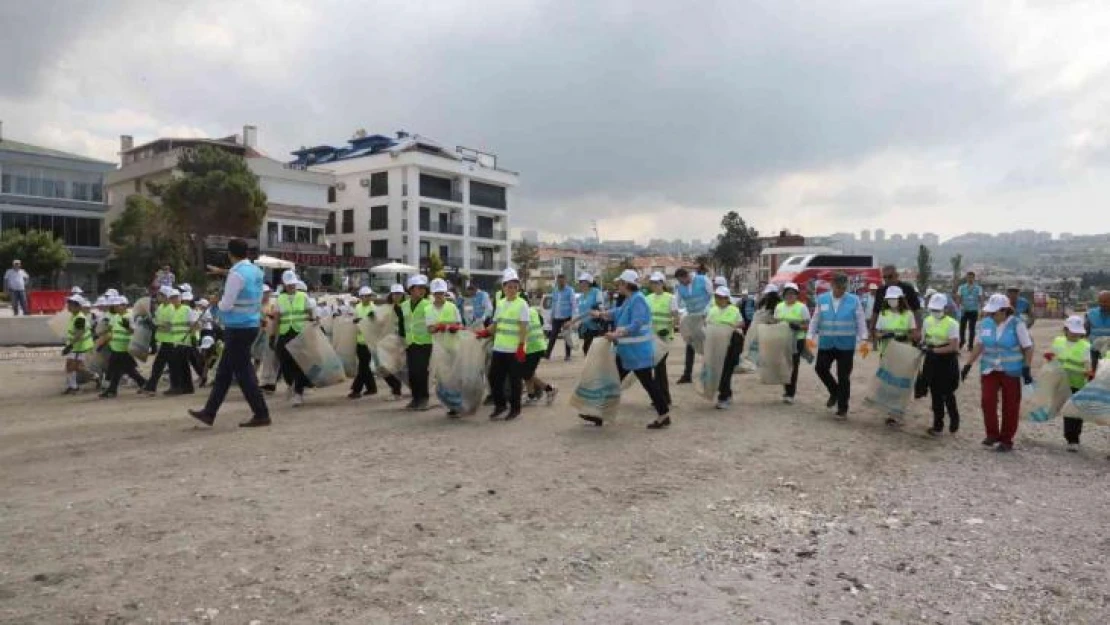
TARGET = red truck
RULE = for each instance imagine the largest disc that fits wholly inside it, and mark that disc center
(813, 273)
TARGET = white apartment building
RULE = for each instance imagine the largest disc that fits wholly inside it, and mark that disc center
(405, 198)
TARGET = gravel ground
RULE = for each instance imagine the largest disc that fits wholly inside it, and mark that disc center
(358, 512)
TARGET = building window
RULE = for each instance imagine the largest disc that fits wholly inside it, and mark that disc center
(379, 248)
(379, 218)
(379, 184)
(330, 227)
(488, 195)
(348, 220)
(288, 234)
(331, 195)
(331, 249)
(73, 231)
(435, 187)
(348, 249)
(304, 234)
(5, 183)
(317, 234)
(272, 233)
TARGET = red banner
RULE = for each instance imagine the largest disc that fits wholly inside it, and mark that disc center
(325, 260)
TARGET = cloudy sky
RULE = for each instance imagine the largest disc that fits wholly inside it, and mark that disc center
(652, 117)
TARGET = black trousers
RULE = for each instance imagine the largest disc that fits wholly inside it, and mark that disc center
(290, 370)
(661, 380)
(504, 366)
(236, 364)
(119, 365)
(967, 328)
(556, 330)
(942, 375)
(192, 359)
(171, 356)
(688, 370)
(839, 387)
(587, 340)
(648, 382)
(418, 358)
(792, 388)
(182, 354)
(1073, 428)
(732, 358)
(365, 377)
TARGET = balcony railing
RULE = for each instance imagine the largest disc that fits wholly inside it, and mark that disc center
(434, 226)
(273, 244)
(495, 264)
(488, 233)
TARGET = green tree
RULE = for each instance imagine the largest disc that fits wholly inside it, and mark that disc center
(41, 254)
(613, 271)
(924, 268)
(737, 246)
(217, 194)
(957, 262)
(526, 257)
(435, 266)
(144, 237)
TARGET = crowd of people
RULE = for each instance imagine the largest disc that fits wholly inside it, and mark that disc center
(190, 335)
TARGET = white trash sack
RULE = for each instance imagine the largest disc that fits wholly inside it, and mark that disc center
(390, 357)
(463, 386)
(598, 392)
(692, 329)
(894, 381)
(316, 357)
(776, 353)
(344, 339)
(717, 339)
(1051, 393)
(1092, 402)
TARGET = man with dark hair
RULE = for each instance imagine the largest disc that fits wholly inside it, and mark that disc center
(562, 311)
(970, 299)
(695, 292)
(240, 311)
(890, 278)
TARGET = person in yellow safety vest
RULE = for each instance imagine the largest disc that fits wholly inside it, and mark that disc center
(794, 313)
(79, 342)
(941, 338)
(118, 340)
(1073, 352)
(418, 341)
(364, 379)
(723, 313)
(510, 337)
(292, 315)
(172, 323)
(664, 316)
(896, 322)
(535, 350)
(443, 320)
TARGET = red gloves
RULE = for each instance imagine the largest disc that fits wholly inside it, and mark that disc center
(453, 328)
(439, 327)
(1049, 356)
(520, 356)
(482, 333)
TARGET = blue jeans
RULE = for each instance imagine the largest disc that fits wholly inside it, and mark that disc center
(19, 302)
(236, 363)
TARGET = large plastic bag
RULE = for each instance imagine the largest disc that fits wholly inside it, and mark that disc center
(1092, 402)
(59, 324)
(97, 361)
(316, 357)
(378, 325)
(142, 333)
(1050, 394)
(141, 307)
(463, 387)
(661, 348)
(894, 381)
(344, 338)
(776, 353)
(260, 345)
(692, 329)
(749, 358)
(717, 338)
(390, 356)
(326, 324)
(598, 393)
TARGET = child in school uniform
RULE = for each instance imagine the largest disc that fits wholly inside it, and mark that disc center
(1073, 352)
(941, 339)
(118, 340)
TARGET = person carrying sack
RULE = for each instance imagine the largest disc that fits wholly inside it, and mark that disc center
(724, 313)
(418, 342)
(510, 339)
(364, 380)
(291, 315)
(172, 322)
(118, 340)
(79, 342)
(664, 315)
(795, 314)
(696, 293)
(535, 350)
(941, 344)
(589, 300)
(1073, 352)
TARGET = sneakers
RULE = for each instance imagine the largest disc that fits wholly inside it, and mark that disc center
(567, 359)
(1073, 448)
(1004, 447)
(832, 402)
(530, 400)
(724, 404)
(551, 393)
(684, 380)
(354, 395)
(894, 420)
(298, 399)
(788, 400)
(989, 441)
(512, 415)
(497, 412)
(660, 423)
(935, 431)
(394, 397)
(841, 415)
(107, 395)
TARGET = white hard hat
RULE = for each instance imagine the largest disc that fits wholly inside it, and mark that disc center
(111, 293)
(119, 300)
(207, 342)
(185, 287)
(936, 302)
(165, 291)
(365, 291)
(301, 286)
(770, 288)
(418, 280)
(585, 277)
(439, 286)
(76, 290)
(101, 301)
(658, 277)
(289, 277)
(894, 292)
(187, 296)
(509, 275)
(202, 302)
(628, 275)
(722, 291)
(720, 281)
(790, 286)
(930, 292)
(996, 303)
(1075, 325)
(175, 293)
(397, 288)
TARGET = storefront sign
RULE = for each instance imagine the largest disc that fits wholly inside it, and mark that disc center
(325, 260)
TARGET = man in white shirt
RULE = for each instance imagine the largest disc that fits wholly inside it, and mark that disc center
(833, 341)
(15, 284)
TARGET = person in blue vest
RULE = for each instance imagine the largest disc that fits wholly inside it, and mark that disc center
(635, 343)
(837, 326)
(562, 312)
(695, 292)
(240, 312)
(1006, 352)
(478, 307)
(969, 297)
(590, 299)
(1098, 325)
(1021, 306)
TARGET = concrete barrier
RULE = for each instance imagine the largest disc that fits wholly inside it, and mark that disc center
(30, 331)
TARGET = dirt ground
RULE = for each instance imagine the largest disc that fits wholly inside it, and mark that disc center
(358, 512)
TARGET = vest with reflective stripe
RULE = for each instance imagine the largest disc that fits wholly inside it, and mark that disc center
(792, 314)
(727, 316)
(508, 325)
(164, 317)
(1072, 357)
(416, 330)
(180, 324)
(661, 318)
(362, 311)
(837, 329)
(121, 336)
(449, 314)
(246, 311)
(294, 312)
(937, 330)
(537, 342)
(85, 342)
(1000, 351)
(695, 295)
(1100, 323)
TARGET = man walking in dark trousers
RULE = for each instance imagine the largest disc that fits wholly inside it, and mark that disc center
(838, 324)
(562, 310)
(969, 297)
